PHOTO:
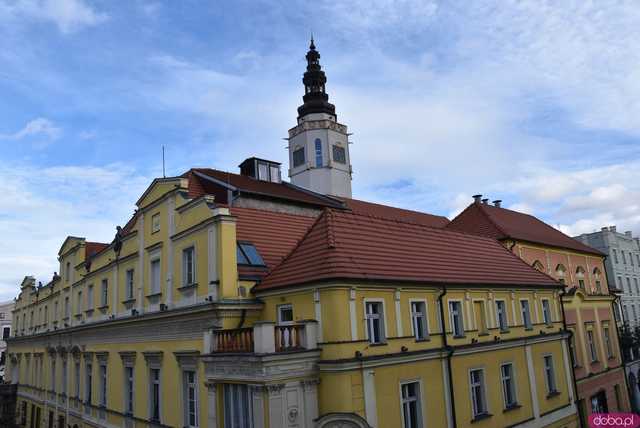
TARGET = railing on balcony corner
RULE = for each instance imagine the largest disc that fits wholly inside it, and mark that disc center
(236, 340)
(289, 337)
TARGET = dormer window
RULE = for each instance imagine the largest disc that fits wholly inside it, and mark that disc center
(248, 254)
(261, 169)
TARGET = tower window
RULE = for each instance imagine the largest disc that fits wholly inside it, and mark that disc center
(318, 153)
(339, 154)
(298, 157)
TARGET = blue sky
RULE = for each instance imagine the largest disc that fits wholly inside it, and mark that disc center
(532, 102)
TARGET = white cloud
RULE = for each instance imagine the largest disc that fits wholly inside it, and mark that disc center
(39, 132)
(68, 15)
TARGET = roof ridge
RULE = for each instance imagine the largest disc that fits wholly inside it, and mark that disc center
(397, 220)
(488, 217)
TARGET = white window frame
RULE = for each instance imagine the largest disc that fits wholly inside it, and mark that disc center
(514, 385)
(548, 369)
(129, 283)
(425, 318)
(279, 309)
(153, 382)
(461, 314)
(524, 323)
(153, 290)
(185, 279)
(418, 400)
(483, 390)
(505, 312)
(547, 316)
(186, 386)
(382, 318)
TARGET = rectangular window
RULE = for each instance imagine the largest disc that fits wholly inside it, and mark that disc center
(419, 320)
(501, 315)
(53, 375)
(285, 314)
(236, 404)
(411, 406)
(478, 396)
(6, 332)
(90, 297)
(79, 303)
(624, 258)
(525, 311)
(64, 377)
(629, 285)
(550, 375)
(128, 390)
(155, 223)
(154, 393)
(263, 171)
(546, 312)
(67, 273)
(615, 255)
(508, 385)
(374, 314)
(88, 382)
(592, 346)
(155, 276)
(298, 157)
(274, 174)
(103, 385)
(339, 154)
(607, 341)
(188, 266)
(76, 379)
(67, 307)
(104, 293)
(190, 399)
(480, 316)
(635, 283)
(455, 312)
(129, 284)
(318, 147)
(573, 350)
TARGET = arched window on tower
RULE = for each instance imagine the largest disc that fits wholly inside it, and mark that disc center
(537, 265)
(318, 153)
(560, 273)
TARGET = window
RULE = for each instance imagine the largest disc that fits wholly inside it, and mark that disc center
(155, 223)
(419, 320)
(155, 276)
(615, 255)
(248, 254)
(67, 272)
(538, 266)
(76, 379)
(298, 157)
(624, 258)
(607, 341)
(190, 398)
(90, 297)
(501, 315)
(573, 350)
(629, 285)
(129, 284)
(53, 375)
(592, 346)
(128, 390)
(285, 314)
(154, 393)
(455, 312)
(411, 406)
(526, 314)
(546, 312)
(638, 259)
(6, 332)
(480, 316)
(79, 303)
(478, 396)
(508, 385)
(188, 266)
(263, 171)
(374, 314)
(103, 385)
(339, 154)
(67, 308)
(275, 174)
(598, 286)
(631, 259)
(64, 377)
(88, 382)
(550, 375)
(104, 293)
(318, 147)
(237, 409)
(635, 283)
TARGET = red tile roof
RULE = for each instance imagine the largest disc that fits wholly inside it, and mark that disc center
(93, 248)
(346, 245)
(393, 213)
(502, 223)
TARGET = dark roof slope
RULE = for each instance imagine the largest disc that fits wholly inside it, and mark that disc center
(393, 213)
(93, 248)
(346, 245)
(502, 223)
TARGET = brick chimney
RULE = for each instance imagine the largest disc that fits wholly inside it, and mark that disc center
(497, 203)
(477, 198)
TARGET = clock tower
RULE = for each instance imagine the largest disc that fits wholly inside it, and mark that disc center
(318, 145)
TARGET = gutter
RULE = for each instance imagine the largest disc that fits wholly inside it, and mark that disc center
(449, 355)
(571, 356)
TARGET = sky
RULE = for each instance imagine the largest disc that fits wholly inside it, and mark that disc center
(536, 103)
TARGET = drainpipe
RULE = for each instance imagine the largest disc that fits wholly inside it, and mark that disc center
(571, 356)
(449, 354)
(622, 357)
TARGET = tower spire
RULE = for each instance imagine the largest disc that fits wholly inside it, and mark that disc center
(315, 96)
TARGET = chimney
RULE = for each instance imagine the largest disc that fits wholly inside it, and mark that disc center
(485, 201)
(497, 203)
(477, 198)
(612, 228)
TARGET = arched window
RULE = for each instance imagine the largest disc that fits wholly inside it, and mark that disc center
(580, 276)
(537, 265)
(560, 273)
(318, 153)
(597, 277)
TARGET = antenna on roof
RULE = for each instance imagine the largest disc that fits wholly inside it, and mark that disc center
(163, 174)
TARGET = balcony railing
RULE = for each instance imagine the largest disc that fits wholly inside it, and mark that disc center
(264, 338)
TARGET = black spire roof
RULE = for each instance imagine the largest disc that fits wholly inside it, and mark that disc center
(315, 98)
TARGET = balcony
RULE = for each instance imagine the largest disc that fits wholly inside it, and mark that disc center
(265, 338)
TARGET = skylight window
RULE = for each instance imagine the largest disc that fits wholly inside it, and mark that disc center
(248, 254)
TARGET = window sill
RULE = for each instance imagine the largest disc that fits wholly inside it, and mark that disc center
(504, 331)
(424, 339)
(514, 406)
(131, 300)
(528, 328)
(553, 394)
(89, 311)
(459, 336)
(188, 286)
(550, 325)
(103, 307)
(481, 417)
(378, 344)
(159, 293)
(483, 334)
